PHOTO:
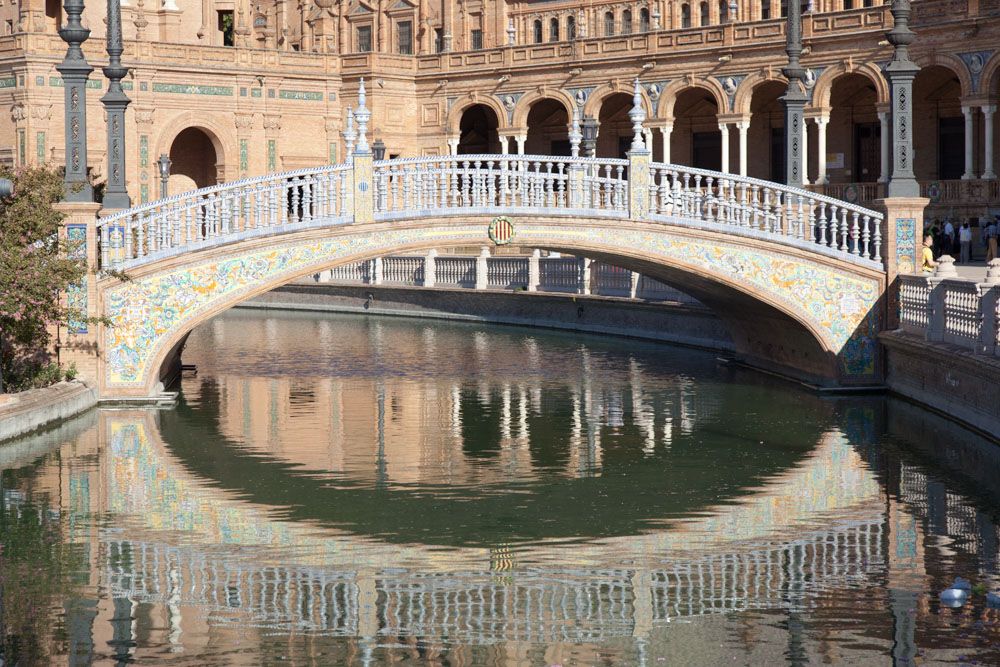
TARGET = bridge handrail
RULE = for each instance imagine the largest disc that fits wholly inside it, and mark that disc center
(490, 184)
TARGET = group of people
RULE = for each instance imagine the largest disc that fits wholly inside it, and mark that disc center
(947, 239)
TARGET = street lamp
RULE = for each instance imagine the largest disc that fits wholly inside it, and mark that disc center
(589, 128)
(378, 149)
(164, 164)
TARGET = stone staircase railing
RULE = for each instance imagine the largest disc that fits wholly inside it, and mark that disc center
(565, 275)
(944, 308)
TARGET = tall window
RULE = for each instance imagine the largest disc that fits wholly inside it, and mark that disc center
(685, 16)
(703, 10)
(627, 22)
(538, 31)
(404, 37)
(723, 11)
(438, 40)
(553, 30)
(364, 38)
(476, 39)
(609, 24)
(784, 8)
(848, 4)
(765, 10)
(226, 27)
(570, 27)
(643, 20)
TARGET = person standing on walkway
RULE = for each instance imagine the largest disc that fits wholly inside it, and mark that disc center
(965, 239)
(990, 236)
(948, 246)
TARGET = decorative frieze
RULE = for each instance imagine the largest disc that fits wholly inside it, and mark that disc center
(191, 89)
(303, 95)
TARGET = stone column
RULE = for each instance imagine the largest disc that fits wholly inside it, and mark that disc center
(900, 72)
(724, 129)
(430, 268)
(633, 284)
(482, 269)
(988, 111)
(821, 123)
(75, 71)
(902, 237)
(883, 120)
(666, 129)
(82, 343)
(377, 271)
(453, 145)
(743, 126)
(967, 111)
(521, 139)
(504, 144)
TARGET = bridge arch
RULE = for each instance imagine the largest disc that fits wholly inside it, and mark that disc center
(786, 308)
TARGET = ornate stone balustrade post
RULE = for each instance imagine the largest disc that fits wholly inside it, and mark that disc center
(534, 270)
(378, 267)
(639, 159)
(584, 287)
(936, 314)
(576, 171)
(75, 71)
(482, 269)
(430, 268)
(990, 301)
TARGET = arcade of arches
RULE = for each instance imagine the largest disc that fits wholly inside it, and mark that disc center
(846, 141)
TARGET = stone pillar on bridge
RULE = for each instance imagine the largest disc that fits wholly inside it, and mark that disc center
(364, 172)
(79, 342)
(639, 159)
(534, 270)
(483, 269)
(430, 268)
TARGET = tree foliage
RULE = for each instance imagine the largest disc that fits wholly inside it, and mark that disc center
(36, 267)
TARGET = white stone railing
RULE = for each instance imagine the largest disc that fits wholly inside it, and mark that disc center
(389, 190)
(766, 209)
(573, 275)
(946, 309)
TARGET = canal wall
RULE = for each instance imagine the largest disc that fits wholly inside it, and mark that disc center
(28, 411)
(683, 324)
(949, 379)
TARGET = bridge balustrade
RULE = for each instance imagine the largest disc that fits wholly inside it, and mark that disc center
(953, 310)
(490, 185)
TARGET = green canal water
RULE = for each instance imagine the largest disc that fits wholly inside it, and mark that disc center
(349, 490)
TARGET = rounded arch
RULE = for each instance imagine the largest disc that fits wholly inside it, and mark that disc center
(592, 108)
(952, 63)
(989, 78)
(774, 321)
(466, 102)
(221, 136)
(744, 92)
(523, 107)
(478, 131)
(665, 108)
(824, 83)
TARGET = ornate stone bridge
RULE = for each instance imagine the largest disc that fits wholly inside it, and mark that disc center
(798, 277)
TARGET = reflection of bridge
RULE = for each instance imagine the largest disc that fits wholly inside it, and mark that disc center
(797, 276)
(484, 607)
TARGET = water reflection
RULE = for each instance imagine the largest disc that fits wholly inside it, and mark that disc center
(337, 490)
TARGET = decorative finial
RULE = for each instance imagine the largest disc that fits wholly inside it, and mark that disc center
(363, 115)
(575, 135)
(637, 115)
(349, 134)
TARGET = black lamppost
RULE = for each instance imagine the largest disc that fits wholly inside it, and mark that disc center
(795, 97)
(378, 149)
(900, 73)
(115, 101)
(589, 129)
(75, 71)
(164, 165)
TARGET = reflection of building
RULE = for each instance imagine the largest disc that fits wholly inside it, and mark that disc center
(230, 89)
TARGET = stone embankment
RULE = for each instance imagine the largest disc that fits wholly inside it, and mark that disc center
(28, 411)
